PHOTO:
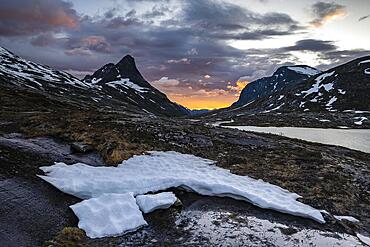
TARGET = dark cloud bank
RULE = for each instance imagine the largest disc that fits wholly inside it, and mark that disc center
(183, 40)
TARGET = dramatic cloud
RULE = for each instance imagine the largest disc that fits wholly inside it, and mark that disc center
(326, 11)
(87, 45)
(182, 47)
(165, 82)
(182, 60)
(312, 45)
(24, 17)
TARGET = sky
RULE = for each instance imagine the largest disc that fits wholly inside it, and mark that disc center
(201, 53)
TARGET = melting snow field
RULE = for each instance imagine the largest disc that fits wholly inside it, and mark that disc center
(149, 203)
(156, 172)
(109, 215)
(357, 139)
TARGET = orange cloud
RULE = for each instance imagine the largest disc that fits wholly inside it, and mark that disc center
(325, 12)
(61, 18)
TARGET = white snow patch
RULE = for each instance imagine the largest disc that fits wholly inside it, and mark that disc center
(341, 91)
(349, 218)
(95, 80)
(162, 170)
(219, 123)
(149, 203)
(316, 86)
(242, 106)
(331, 101)
(125, 82)
(365, 61)
(305, 70)
(273, 109)
(364, 239)
(361, 119)
(280, 97)
(367, 71)
(109, 215)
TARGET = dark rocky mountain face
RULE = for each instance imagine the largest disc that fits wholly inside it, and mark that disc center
(283, 78)
(337, 97)
(118, 87)
(124, 82)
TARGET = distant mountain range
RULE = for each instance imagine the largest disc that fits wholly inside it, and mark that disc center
(283, 78)
(114, 87)
(304, 96)
(293, 96)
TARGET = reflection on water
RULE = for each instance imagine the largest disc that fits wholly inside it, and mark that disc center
(357, 139)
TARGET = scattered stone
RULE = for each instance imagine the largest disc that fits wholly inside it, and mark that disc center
(288, 231)
(80, 147)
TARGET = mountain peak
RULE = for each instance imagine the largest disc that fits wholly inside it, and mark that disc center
(300, 69)
(127, 68)
(128, 59)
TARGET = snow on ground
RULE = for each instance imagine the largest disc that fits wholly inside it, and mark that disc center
(241, 106)
(349, 218)
(365, 61)
(316, 86)
(219, 123)
(331, 101)
(367, 71)
(109, 215)
(162, 170)
(361, 119)
(364, 239)
(274, 109)
(305, 70)
(149, 203)
(125, 82)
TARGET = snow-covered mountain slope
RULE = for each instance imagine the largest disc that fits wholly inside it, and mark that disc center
(123, 81)
(344, 88)
(336, 97)
(284, 77)
(29, 74)
(126, 90)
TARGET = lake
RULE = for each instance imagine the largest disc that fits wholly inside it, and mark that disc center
(357, 139)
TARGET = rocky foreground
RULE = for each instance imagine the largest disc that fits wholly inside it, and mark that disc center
(331, 178)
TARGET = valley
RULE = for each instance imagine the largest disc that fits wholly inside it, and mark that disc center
(39, 125)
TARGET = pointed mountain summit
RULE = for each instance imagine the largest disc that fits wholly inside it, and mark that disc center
(118, 87)
(124, 82)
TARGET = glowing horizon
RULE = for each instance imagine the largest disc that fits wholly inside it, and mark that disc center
(193, 51)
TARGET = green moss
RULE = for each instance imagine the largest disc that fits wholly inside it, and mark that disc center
(68, 237)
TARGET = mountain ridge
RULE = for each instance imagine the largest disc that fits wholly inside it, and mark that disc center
(332, 98)
(119, 87)
(285, 76)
